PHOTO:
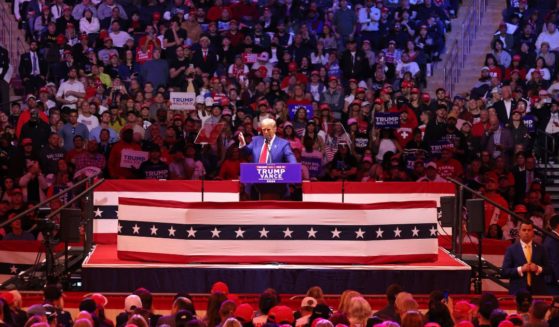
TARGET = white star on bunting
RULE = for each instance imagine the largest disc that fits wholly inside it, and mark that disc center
(98, 212)
(263, 232)
(172, 231)
(397, 232)
(136, 229)
(312, 233)
(215, 232)
(379, 232)
(287, 233)
(191, 232)
(415, 231)
(240, 233)
(119, 228)
(13, 270)
(433, 231)
(360, 233)
(336, 233)
(154, 230)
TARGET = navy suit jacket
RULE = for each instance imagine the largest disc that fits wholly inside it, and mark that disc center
(514, 258)
(280, 150)
(551, 247)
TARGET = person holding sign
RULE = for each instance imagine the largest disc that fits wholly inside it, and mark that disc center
(268, 148)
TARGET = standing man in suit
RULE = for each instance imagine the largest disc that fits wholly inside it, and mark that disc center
(497, 140)
(32, 69)
(268, 148)
(205, 58)
(505, 106)
(354, 62)
(525, 263)
(551, 246)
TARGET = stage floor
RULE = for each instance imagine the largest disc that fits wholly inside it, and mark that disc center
(102, 271)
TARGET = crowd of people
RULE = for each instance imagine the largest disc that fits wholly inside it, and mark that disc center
(226, 310)
(344, 80)
(98, 77)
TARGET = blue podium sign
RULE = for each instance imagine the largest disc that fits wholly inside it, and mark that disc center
(279, 173)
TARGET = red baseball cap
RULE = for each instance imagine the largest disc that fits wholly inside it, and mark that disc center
(245, 312)
(219, 287)
(281, 314)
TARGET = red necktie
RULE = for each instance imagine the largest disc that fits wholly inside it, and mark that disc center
(205, 55)
(264, 154)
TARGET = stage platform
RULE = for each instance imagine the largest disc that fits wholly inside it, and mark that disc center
(102, 271)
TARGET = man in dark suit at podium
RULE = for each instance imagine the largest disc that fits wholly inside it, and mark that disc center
(269, 148)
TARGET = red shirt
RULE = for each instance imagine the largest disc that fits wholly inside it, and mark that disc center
(494, 215)
(230, 169)
(404, 134)
(452, 168)
(114, 160)
(479, 128)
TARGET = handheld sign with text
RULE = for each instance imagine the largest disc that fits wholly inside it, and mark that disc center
(182, 100)
(438, 146)
(132, 158)
(292, 109)
(387, 120)
(281, 173)
(313, 165)
(249, 58)
(530, 123)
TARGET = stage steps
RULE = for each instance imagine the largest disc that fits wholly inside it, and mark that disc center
(551, 180)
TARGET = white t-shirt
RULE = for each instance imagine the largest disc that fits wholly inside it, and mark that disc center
(66, 86)
(90, 122)
(120, 38)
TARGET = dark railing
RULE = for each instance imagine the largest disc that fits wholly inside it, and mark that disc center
(460, 48)
(458, 237)
(85, 188)
(544, 146)
(460, 190)
(9, 36)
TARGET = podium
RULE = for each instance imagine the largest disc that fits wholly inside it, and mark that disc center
(270, 180)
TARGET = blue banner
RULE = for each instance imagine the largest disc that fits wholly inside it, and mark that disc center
(294, 107)
(253, 173)
(387, 120)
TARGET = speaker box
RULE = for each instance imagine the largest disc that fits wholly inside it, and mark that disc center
(448, 214)
(70, 220)
(476, 215)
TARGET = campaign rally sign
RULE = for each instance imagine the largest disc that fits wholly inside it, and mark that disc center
(530, 123)
(294, 107)
(387, 120)
(438, 146)
(249, 58)
(270, 173)
(313, 165)
(182, 100)
(132, 158)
